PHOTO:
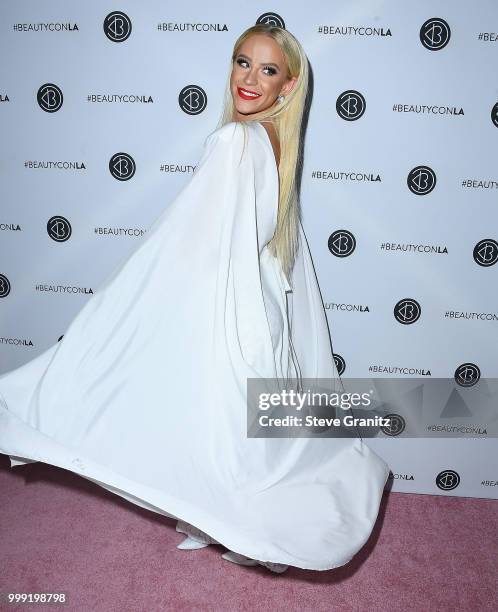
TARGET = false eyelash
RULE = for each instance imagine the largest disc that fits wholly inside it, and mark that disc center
(273, 71)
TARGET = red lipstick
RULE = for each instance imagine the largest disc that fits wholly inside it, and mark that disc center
(245, 94)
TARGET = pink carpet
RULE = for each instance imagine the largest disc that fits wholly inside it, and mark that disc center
(60, 532)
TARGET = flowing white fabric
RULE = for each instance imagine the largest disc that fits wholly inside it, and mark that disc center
(145, 394)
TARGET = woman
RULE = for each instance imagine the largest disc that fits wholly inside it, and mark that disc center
(145, 394)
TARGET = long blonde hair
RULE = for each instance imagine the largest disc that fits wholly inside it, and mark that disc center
(287, 118)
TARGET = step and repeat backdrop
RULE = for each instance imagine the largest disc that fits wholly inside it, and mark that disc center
(104, 111)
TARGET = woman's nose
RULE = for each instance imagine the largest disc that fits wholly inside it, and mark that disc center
(251, 77)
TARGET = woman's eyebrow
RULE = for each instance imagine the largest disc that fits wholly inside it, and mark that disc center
(261, 64)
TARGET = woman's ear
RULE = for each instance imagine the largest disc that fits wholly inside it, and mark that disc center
(288, 87)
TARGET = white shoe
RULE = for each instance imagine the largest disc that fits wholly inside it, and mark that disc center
(278, 568)
(191, 544)
(234, 557)
(239, 559)
(195, 537)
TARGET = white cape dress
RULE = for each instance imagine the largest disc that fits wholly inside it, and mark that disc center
(145, 394)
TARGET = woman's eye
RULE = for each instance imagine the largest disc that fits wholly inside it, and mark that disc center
(270, 70)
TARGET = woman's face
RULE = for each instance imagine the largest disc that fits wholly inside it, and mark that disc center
(259, 76)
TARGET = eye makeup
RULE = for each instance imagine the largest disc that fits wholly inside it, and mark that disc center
(273, 68)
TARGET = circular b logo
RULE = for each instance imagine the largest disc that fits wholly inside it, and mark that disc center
(486, 252)
(341, 243)
(407, 311)
(447, 480)
(58, 228)
(192, 99)
(494, 115)
(271, 19)
(350, 105)
(435, 34)
(49, 98)
(396, 425)
(467, 374)
(117, 26)
(122, 166)
(4, 286)
(421, 180)
(340, 364)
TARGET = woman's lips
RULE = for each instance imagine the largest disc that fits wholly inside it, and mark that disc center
(247, 94)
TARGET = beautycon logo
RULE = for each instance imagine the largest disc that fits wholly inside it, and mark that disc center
(486, 252)
(341, 243)
(435, 34)
(4, 286)
(49, 97)
(192, 99)
(271, 19)
(407, 311)
(396, 425)
(340, 363)
(122, 166)
(421, 180)
(350, 105)
(494, 115)
(467, 374)
(447, 480)
(59, 228)
(117, 26)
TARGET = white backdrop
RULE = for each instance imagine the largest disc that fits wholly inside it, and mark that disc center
(104, 109)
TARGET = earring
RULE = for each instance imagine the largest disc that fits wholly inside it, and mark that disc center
(280, 99)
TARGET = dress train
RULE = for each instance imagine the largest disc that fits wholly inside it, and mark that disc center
(146, 392)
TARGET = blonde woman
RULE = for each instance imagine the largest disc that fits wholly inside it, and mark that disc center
(146, 393)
